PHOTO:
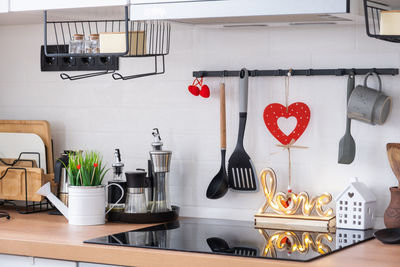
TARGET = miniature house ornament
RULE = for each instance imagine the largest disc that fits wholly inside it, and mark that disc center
(355, 207)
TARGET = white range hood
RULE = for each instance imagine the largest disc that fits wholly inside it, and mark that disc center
(274, 12)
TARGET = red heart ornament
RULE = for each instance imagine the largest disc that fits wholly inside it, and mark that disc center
(275, 111)
(194, 90)
(205, 91)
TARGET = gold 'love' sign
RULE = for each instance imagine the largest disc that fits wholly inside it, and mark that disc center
(276, 200)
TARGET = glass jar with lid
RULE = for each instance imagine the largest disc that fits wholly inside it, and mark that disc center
(76, 45)
(92, 44)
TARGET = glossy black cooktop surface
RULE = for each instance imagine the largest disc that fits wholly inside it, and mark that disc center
(237, 238)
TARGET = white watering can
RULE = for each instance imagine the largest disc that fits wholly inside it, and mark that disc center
(86, 204)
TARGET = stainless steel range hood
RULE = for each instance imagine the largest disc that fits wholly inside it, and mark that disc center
(242, 12)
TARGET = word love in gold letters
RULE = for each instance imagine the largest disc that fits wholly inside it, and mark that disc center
(276, 200)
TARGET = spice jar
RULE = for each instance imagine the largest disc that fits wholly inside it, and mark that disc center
(92, 44)
(76, 45)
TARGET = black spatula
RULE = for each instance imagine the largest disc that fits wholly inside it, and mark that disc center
(241, 172)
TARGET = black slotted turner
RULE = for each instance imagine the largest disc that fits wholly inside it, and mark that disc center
(241, 172)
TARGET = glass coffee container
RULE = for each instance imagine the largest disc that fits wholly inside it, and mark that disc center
(77, 44)
(135, 197)
(160, 163)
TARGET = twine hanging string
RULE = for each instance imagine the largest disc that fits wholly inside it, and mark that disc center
(290, 145)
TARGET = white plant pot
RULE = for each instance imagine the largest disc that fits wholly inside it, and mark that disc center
(86, 205)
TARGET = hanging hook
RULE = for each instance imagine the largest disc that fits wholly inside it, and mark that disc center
(223, 75)
(288, 75)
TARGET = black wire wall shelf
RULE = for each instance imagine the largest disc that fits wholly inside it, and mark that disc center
(372, 13)
(297, 72)
(141, 39)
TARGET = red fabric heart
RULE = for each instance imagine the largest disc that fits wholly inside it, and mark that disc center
(205, 91)
(194, 90)
(275, 111)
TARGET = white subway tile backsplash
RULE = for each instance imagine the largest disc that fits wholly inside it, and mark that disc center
(104, 114)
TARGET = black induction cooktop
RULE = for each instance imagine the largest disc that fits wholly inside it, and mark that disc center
(237, 238)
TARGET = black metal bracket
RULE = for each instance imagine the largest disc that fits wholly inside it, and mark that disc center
(33, 207)
(19, 159)
(299, 72)
(65, 76)
(156, 71)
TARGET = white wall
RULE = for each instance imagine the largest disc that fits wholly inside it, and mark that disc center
(104, 114)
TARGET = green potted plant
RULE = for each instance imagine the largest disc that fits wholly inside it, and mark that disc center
(86, 193)
(86, 169)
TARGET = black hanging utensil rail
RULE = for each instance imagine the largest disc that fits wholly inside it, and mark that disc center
(298, 72)
(372, 13)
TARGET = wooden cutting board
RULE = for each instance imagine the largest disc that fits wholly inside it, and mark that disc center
(18, 164)
(12, 144)
(12, 186)
(39, 127)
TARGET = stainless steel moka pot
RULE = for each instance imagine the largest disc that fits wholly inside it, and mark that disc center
(160, 163)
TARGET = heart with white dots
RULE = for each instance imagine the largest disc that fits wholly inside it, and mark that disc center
(298, 110)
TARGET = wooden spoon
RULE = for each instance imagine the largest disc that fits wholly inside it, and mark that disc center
(393, 152)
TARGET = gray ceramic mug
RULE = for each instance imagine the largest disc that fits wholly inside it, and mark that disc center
(369, 105)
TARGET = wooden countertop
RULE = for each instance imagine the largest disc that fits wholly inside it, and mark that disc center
(49, 236)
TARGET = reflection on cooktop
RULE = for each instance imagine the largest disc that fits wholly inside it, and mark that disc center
(236, 238)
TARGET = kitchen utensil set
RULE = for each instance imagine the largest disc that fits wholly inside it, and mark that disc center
(241, 172)
(203, 91)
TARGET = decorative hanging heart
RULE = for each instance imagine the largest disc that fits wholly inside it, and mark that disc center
(275, 111)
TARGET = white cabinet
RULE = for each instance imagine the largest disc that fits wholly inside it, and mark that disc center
(28, 5)
(24, 261)
(221, 10)
(3, 6)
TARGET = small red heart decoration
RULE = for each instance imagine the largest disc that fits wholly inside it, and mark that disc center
(275, 111)
(285, 203)
(205, 91)
(194, 90)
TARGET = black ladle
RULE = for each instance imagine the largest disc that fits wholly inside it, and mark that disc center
(219, 184)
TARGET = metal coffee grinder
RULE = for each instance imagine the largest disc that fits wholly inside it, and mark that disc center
(160, 163)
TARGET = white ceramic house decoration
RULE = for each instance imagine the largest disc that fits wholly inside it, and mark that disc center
(355, 207)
